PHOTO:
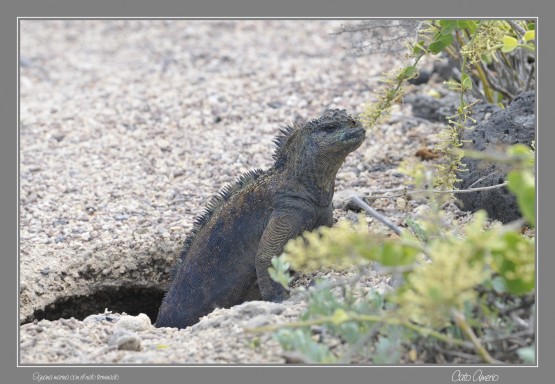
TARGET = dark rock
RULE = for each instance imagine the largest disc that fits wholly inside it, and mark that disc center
(422, 78)
(446, 69)
(60, 221)
(439, 110)
(431, 108)
(516, 124)
(275, 104)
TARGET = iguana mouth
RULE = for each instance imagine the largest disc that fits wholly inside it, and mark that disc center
(354, 134)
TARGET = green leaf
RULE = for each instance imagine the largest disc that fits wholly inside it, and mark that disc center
(529, 35)
(349, 331)
(524, 152)
(487, 58)
(417, 229)
(515, 263)
(387, 351)
(522, 183)
(442, 42)
(509, 44)
(279, 271)
(466, 82)
(518, 150)
(434, 293)
(339, 316)
(410, 72)
(418, 47)
(448, 26)
(527, 354)
(394, 254)
(376, 299)
(498, 284)
(531, 26)
(300, 340)
(469, 25)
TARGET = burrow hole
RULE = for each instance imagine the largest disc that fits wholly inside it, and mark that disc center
(131, 300)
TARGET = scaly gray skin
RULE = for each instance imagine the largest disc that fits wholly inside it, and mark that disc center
(226, 259)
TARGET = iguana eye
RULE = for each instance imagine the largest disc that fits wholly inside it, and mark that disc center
(329, 128)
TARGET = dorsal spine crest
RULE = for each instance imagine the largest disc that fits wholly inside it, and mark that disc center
(212, 206)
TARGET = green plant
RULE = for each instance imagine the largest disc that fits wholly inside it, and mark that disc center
(493, 57)
(496, 57)
(446, 294)
(461, 288)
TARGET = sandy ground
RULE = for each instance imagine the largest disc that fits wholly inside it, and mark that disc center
(128, 127)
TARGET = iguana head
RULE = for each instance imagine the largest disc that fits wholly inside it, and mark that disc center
(328, 139)
(335, 132)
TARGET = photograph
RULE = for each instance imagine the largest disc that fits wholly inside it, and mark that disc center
(278, 191)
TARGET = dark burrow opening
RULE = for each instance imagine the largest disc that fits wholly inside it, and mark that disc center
(131, 300)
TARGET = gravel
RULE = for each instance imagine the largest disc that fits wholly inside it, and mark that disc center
(127, 127)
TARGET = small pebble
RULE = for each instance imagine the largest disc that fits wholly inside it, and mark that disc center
(137, 323)
(125, 340)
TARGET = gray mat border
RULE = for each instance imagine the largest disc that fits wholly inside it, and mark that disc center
(436, 9)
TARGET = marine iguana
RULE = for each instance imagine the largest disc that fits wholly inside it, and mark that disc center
(225, 260)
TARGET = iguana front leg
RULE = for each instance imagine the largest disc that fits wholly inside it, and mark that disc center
(282, 226)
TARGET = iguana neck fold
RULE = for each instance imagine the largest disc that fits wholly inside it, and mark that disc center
(313, 179)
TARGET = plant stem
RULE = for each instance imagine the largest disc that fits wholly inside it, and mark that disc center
(406, 192)
(385, 105)
(478, 347)
(485, 83)
(463, 72)
(371, 211)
